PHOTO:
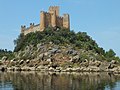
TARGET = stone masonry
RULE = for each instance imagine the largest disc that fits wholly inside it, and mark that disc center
(48, 19)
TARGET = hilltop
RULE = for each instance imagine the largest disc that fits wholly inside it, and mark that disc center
(63, 38)
(60, 50)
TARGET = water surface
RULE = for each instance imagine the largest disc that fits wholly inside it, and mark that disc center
(58, 81)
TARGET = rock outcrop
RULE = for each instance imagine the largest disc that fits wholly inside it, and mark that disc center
(50, 57)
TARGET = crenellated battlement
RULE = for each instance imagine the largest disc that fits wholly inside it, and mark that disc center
(53, 9)
(60, 17)
(45, 12)
(48, 19)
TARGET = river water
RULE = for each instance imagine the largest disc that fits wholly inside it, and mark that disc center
(58, 81)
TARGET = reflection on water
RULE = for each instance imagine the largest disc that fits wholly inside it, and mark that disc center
(58, 81)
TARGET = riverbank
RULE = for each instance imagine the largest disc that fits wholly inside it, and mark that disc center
(67, 66)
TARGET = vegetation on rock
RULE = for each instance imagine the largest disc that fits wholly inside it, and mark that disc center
(63, 37)
(80, 39)
(59, 50)
(5, 52)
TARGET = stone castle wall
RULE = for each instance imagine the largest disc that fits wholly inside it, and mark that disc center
(30, 29)
(59, 21)
(48, 19)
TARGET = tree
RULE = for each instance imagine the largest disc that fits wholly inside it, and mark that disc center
(110, 54)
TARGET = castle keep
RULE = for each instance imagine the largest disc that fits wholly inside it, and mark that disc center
(48, 19)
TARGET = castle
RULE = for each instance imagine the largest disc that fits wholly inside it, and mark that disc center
(48, 19)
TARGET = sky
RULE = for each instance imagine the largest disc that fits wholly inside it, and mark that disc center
(99, 18)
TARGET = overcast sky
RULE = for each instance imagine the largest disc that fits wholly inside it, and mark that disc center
(99, 18)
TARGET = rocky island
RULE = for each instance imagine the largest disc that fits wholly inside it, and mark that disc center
(59, 50)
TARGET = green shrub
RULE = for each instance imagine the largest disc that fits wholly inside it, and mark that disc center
(62, 36)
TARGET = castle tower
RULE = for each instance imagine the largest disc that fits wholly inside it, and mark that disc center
(31, 25)
(53, 9)
(66, 21)
(53, 19)
(42, 21)
(23, 28)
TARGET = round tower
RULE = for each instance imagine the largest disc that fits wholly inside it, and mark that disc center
(53, 19)
(42, 20)
(66, 21)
